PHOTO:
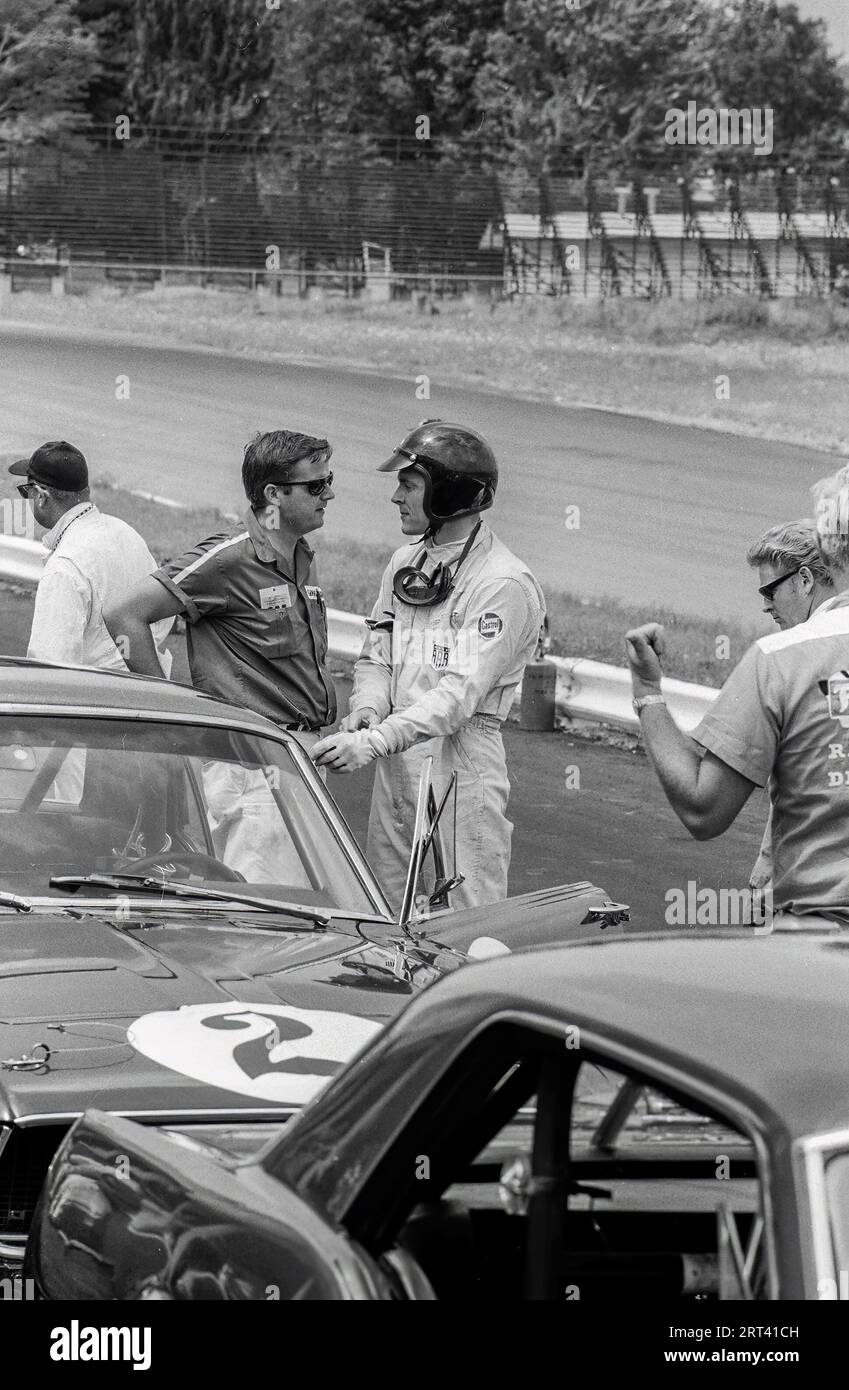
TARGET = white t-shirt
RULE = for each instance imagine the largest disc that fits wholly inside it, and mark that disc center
(95, 560)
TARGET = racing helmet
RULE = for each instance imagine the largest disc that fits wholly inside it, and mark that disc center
(458, 466)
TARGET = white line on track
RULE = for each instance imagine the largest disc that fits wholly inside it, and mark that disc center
(163, 501)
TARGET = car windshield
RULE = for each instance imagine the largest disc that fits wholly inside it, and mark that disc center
(204, 805)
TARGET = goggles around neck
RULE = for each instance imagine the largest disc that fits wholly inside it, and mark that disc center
(412, 586)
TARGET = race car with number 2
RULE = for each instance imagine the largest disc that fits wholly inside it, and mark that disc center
(189, 934)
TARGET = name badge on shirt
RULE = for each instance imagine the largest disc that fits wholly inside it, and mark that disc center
(278, 596)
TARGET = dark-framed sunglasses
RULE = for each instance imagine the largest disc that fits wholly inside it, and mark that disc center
(24, 489)
(767, 590)
(314, 486)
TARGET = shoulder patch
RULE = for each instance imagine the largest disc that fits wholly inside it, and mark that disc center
(490, 625)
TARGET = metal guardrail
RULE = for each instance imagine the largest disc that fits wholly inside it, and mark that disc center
(586, 690)
(592, 690)
(345, 634)
(21, 560)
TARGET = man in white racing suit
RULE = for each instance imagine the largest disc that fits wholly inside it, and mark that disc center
(457, 619)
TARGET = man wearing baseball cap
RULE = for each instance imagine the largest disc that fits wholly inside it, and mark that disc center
(94, 560)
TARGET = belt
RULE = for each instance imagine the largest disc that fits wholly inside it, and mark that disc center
(302, 728)
(490, 722)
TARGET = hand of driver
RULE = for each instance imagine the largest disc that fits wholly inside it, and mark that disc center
(364, 718)
(344, 752)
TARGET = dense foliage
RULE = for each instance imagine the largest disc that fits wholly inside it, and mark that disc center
(46, 61)
(546, 83)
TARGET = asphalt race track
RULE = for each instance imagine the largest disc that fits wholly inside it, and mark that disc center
(666, 512)
(662, 506)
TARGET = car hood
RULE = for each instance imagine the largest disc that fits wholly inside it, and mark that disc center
(170, 1013)
(546, 917)
(175, 1010)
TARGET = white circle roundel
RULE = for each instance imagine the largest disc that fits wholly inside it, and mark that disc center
(271, 1051)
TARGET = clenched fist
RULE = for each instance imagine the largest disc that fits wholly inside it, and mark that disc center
(645, 646)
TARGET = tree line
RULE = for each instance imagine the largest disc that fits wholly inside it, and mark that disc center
(546, 86)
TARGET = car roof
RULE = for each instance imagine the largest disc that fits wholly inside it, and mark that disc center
(764, 1018)
(27, 683)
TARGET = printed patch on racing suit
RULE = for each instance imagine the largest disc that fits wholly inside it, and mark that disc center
(439, 657)
(490, 625)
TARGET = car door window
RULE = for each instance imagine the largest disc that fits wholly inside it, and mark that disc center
(589, 1184)
(671, 1195)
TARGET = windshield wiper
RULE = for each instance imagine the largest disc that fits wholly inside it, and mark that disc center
(12, 900)
(70, 882)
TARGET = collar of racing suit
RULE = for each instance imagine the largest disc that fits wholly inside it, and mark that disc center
(449, 551)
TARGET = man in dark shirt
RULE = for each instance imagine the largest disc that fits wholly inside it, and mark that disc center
(256, 621)
(256, 635)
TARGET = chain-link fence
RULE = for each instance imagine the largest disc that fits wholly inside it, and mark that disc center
(398, 216)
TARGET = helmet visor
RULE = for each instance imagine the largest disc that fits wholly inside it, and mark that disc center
(406, 458)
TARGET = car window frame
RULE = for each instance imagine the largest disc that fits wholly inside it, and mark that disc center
(695, 1092)
(811, 1157)
(193, 787)
(375, 1224)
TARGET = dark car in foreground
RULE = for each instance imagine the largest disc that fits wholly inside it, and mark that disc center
(655, 1117)
(189, 933)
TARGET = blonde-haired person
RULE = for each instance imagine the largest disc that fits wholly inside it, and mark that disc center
(781, 718)
(831, 499)
(793, 580)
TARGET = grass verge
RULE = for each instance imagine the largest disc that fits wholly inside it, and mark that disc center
(350, 574)
(786, 361)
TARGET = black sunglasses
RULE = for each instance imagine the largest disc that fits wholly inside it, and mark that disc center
(314, 486)
(767, 590)
(24, 489)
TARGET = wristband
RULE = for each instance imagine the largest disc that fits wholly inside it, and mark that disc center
(640, 704)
